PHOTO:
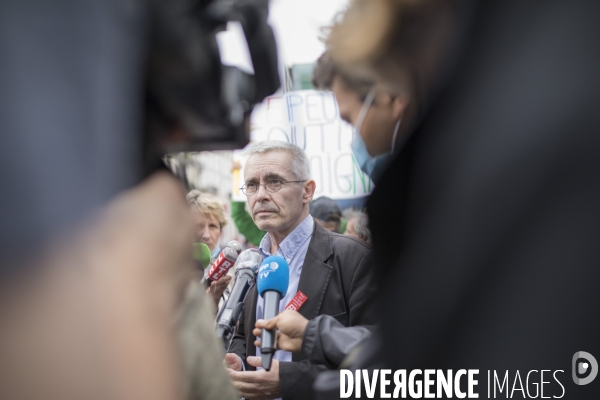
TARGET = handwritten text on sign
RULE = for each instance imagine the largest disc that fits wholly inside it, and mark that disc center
(310, 119)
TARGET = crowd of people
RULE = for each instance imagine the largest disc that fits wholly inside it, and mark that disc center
(210, 217)
(478, 248)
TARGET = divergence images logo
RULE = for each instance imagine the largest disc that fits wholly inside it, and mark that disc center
(584, 363)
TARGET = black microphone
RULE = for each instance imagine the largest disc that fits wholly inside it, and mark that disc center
(272, 284)
(246, 268)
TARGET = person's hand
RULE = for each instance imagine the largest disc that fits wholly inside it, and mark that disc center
(257, 384)
(217, 288)
(233, 362)
(291, 326)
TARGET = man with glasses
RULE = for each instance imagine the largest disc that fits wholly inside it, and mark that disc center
(332, 271)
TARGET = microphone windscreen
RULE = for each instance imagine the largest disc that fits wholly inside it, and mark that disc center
(202, 254)
(234, 244)
(250, 258)
(273, 274)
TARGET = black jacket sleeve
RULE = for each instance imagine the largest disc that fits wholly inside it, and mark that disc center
(328, 342)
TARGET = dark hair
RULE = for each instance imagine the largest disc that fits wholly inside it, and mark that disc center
(326, 70)
(323, 73)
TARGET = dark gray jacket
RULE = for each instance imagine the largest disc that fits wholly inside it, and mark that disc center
(337, 278)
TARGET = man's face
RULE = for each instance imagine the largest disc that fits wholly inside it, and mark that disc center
(282, 211)
(206, 229)
(378, 126)
(349, 103)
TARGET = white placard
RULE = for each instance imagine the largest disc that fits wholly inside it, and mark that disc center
(310, 119)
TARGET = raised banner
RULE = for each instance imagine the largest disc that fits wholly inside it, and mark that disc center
(310, 119)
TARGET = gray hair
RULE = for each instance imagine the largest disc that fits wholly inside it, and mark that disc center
(300, 166)
(361, 225)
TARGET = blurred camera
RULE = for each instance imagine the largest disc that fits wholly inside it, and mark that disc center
(193, 101)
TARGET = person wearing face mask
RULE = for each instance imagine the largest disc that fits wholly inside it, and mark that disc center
(375, 113)
(485, 226)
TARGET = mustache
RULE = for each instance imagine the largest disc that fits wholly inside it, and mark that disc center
(263, 208)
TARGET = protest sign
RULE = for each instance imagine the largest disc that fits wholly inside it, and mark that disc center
(310, 119)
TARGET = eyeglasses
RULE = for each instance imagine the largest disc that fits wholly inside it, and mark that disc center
(272, 186)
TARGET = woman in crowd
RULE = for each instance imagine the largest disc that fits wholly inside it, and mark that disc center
(209, 219)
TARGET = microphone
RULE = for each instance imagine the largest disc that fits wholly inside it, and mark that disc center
(246, 268)
(226, 260)
(272, 284)
(234, 244)
(202, 254)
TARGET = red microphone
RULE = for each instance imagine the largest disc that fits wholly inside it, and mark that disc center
(222, 264)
